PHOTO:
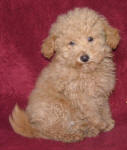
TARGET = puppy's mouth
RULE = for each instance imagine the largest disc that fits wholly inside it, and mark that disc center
(86, 64)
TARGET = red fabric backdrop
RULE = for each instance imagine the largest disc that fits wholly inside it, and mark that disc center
(23, 26)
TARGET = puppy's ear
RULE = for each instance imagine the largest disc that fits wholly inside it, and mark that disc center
(48, 46)
(112, 35)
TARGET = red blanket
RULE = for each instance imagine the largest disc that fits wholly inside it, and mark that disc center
(23, 26)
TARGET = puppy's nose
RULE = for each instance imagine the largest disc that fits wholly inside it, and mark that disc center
(84, 58)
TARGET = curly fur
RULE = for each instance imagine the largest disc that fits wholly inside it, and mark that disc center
(70, 99)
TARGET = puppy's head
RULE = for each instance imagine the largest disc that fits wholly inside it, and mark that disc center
(82, 38)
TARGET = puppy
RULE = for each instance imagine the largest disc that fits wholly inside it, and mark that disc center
(70, 98)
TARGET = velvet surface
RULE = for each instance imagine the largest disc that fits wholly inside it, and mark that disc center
(23, 26)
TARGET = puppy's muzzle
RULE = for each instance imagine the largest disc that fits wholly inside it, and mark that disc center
(84, 58)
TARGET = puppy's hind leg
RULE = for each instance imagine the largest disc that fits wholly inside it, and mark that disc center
(54, 121)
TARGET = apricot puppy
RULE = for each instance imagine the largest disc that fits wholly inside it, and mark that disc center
(70, 98)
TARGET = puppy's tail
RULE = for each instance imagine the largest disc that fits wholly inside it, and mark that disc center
(20, 123)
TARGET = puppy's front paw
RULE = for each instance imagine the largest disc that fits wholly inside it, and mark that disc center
(110, 125)
(91, 132)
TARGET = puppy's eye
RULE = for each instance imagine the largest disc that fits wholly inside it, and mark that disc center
(90, 39)
(72, 43)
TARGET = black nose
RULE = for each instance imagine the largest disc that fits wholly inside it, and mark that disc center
(84, 58)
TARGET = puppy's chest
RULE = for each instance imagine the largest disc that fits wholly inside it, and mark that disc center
(89, 85)
(80, 86)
